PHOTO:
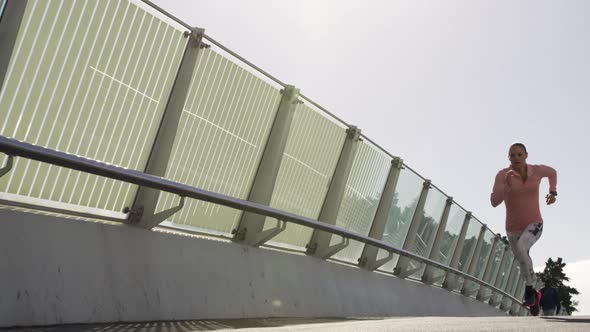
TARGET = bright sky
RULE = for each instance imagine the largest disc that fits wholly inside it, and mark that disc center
(446, 85)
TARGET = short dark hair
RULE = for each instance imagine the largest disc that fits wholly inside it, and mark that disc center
(519, 145)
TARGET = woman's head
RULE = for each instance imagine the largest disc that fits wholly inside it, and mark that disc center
(517, 154)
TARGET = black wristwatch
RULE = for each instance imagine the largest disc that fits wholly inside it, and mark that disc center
(554, 193)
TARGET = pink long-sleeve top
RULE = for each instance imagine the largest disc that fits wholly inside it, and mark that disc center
(521, 198)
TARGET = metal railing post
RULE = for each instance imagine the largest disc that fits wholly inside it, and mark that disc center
(428, 275)
(473, 261)
(142, 212)
(368, 258)
(450, 280)
(10, 23)
(403, 263)
(250, 227)
(319, 243)
(488, 271)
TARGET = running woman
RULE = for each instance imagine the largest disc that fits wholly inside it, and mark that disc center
(518, 187)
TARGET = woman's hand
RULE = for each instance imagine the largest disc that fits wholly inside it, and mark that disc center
(550, 199)
(508, 180)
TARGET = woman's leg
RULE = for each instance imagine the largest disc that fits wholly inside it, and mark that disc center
(521, 244)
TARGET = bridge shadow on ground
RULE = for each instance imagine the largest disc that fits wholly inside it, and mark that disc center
(567, 319)
(179, 326)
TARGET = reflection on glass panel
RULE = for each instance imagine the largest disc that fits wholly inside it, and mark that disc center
(449, 240)
(468, 248)
(405, 199)
(502, 278)
(496, 263)
(505, 271)
(433, 209)
(90, 78)
(496, 259)
(310, 158)
(482, 259)
(222, 133)
(2, 3)
(520, 294)
(514, 281)
(361, 197)
(469, 244)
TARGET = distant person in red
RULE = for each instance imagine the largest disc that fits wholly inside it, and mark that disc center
(518, 187)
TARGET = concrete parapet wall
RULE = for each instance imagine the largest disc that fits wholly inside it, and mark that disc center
(57, 271)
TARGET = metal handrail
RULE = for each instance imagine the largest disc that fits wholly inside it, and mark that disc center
(14, 147)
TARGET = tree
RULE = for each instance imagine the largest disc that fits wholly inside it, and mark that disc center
(554, 276)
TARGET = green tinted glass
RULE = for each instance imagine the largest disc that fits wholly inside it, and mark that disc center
(469, 244)
(449, 240)
(479, 262)
(361, 198)
(221, 136)
(494, 267)
(482, 259)
(310, 158)
(405, 199)
(90, 78)
(430, 219)
(505, 271)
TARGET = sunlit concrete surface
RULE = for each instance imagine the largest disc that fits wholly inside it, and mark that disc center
(57, 271)
(412, 324)
(426, 324)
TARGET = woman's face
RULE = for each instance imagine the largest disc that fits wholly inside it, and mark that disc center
(517, 156)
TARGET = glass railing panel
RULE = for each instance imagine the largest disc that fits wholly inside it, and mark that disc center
(514, 281)
(511, 284)
(223, 130)
(502, 278)
(90, 78)
(361, 197)
(405, 199)
(449, 240)
(505, 271)
(484, 255)
(433, 209)
(313, 148)
(496, 258)
(481, 260)
(468, 248)
(497, 261)
(519, 295)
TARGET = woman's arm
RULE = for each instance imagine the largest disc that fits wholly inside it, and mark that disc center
(497, 196)
(551, 174)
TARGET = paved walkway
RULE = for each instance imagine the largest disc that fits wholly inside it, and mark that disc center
(410, 324)
(455, 324)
